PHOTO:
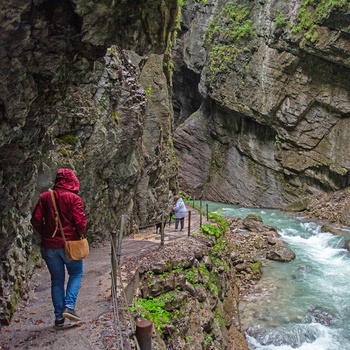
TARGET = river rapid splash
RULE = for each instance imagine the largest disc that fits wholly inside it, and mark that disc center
(303, 304)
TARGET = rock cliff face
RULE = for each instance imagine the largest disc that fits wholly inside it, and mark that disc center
(266, 120)
(190, 290)
(71, 97)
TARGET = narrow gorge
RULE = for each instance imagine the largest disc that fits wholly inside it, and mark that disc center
(234, 101)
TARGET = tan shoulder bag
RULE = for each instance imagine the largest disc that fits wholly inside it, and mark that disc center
(74, 250)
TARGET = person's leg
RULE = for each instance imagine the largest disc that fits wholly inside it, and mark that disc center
(177, 223)
(55, 265)
(75, 270)
(182, 222)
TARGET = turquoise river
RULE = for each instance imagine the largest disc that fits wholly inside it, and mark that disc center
(304, 304)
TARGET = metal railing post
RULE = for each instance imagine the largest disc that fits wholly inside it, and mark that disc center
(113, 260)
(200, 213)
(189, 224)
(120, 237)
(162, 230)
(144, 334)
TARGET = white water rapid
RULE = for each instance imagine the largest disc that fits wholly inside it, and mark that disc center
(304, 304)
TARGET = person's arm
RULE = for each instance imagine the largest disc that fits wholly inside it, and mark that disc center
(37, 217)
(176, 206)
(79, 216)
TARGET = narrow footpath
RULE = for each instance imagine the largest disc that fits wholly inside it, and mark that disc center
(32, 325)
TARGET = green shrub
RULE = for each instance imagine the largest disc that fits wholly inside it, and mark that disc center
(223, 35)
(256, 267)
(153, 310)
(281, 20)
(211, 230)
(219, 220)
(221, 57)
(312, 12)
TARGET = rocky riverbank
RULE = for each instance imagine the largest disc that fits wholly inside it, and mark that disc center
(251, 245)
(201, 279)
(331, 207)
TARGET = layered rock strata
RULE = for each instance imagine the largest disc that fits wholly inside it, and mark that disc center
(268, 118)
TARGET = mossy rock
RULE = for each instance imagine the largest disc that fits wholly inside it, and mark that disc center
(254, 217)
(299, 205)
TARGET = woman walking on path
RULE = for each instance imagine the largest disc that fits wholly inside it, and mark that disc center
(71, 211)
(179, 208)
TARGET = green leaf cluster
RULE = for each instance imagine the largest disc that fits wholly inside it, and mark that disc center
(153, 310)
(257, 266)
(220, 220)
(224, 33)
(207, 341)
(213, 287)
(190, 276)
(232, 24)
(211, 230)
(157, 309)
(312, 12)
(221, 56)
(281, 20)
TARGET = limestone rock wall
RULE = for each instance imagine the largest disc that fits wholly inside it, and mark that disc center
(268, 118)
(72, 96)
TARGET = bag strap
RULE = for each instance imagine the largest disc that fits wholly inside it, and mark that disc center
(57, 217)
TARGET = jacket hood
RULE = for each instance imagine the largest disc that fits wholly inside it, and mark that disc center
(67, 180)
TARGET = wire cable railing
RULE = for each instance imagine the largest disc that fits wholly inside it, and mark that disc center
(123, 321)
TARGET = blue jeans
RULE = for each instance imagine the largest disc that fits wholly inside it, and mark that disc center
(56, 263)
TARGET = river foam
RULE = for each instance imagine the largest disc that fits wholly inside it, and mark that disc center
(306, 303)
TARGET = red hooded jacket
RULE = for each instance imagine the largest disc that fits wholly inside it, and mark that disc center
(70, 207)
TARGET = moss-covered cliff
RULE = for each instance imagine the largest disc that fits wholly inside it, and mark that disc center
(266, 120)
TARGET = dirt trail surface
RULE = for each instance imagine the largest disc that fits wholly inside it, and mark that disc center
(32, 325)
